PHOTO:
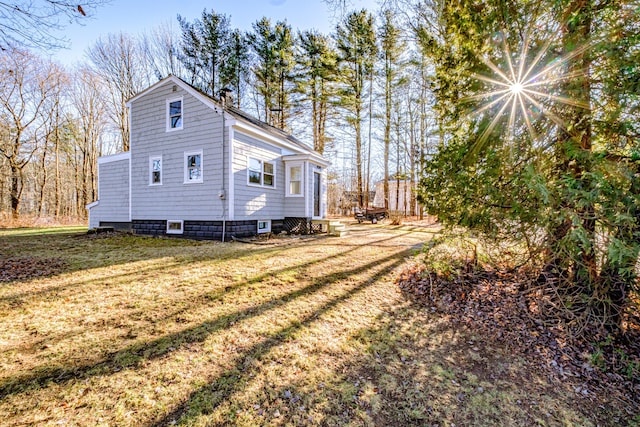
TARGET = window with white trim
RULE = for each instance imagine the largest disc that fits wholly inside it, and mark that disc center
(193, 167)
(264, 226)
(295, 181)
(175, 227)
(174, 114)
(261, 173)
(155, 170)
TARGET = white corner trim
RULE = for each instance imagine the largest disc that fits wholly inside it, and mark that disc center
(231, 191)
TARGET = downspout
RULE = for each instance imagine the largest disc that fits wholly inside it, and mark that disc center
(221, 194)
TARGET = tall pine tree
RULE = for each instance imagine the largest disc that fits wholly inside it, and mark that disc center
(356, 42)
(315, 80)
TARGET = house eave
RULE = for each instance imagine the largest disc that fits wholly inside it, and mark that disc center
(307, 157)
(251, 129)
(126, 155)
(185, 86)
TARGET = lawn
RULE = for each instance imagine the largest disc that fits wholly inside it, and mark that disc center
(125, 330)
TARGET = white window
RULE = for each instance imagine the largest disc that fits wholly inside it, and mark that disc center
(264, 226)
(174, 114)
(155, 170)
(175, 227)
(261, 173)
(295, 179)
(193, 167)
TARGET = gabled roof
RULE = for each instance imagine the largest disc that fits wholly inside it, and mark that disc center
(234, 112)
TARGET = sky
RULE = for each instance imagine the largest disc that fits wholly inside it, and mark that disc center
(138, 16)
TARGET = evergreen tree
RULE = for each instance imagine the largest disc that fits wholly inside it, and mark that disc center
(315, 79)
(356, 42)
(528, 115)
(273, 49)
(236, 66)
(391, 49)
(204, 46)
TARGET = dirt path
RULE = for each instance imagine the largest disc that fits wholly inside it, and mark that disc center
(308, 331)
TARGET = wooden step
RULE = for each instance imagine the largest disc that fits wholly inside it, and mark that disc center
(337, 228)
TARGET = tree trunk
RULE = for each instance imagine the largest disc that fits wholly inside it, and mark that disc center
(43, 182)
(357, 125)
(367, 183)
(16, 190)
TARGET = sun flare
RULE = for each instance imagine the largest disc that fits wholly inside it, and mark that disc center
(523, 89)
(516, 88)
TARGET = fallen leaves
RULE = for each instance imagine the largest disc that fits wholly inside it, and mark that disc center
(500, 305)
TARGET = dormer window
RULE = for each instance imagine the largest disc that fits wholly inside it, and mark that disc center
(174, 114)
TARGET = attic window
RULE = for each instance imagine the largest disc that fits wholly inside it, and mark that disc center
(174, 114)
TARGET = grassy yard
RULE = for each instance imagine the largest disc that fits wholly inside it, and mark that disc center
(127, 330)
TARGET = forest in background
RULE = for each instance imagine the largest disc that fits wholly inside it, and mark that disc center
(516, 121)
(364, 88)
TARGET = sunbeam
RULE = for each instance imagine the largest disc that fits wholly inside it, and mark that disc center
(516, 87)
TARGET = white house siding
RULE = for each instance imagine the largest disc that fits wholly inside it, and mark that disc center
(202, 131)
(253, 202)
(296, 207)
(113, 192)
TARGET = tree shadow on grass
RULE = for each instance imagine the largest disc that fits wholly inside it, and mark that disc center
(15, 300)
(136, 354)
(420, 369)
(148, 248)
(209, 396)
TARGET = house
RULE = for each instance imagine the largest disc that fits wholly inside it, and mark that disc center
(202, 170)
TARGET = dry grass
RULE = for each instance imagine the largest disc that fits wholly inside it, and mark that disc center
(140, 331)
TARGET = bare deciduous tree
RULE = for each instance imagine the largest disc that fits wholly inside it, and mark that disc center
(161, 49)
(118, 59)
(90, 124)
(36, 23)
(26, 82)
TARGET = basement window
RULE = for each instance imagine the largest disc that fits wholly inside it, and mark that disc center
(264, 226)
(175, 227)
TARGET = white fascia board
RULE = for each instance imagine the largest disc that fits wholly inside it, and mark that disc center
(176, 81)
(307, 157)
(92, 204)
(114, 157)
